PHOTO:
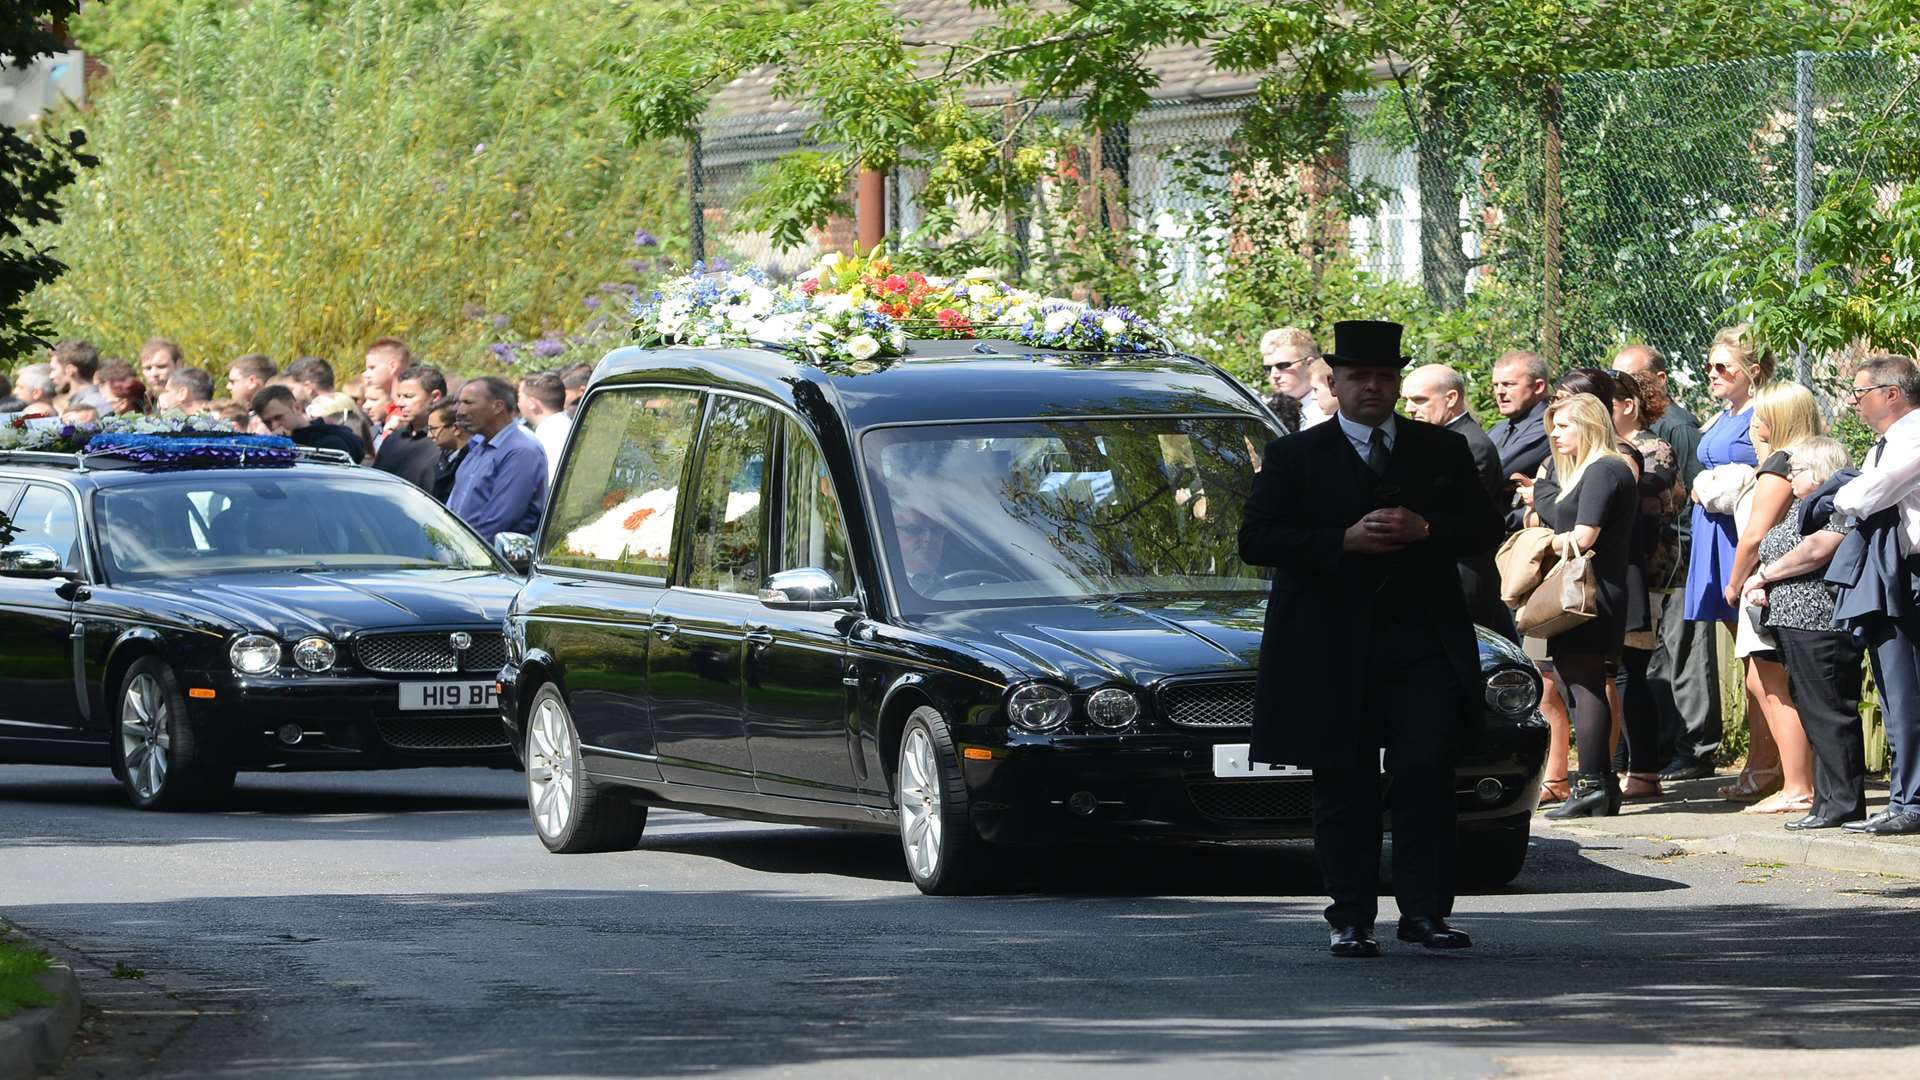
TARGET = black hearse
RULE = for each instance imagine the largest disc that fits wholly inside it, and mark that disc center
(985, 595)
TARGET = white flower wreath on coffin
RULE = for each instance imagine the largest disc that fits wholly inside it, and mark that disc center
(608, 538)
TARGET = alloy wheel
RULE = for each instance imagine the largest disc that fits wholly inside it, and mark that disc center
(550, 760)
(919, 803)
(145, 735)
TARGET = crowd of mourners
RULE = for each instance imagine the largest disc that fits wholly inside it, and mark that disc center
(1755, 520)
(485, 447)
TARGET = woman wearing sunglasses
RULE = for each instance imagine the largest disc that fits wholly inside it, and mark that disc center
(1737, 366)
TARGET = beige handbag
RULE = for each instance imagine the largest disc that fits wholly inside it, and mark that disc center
(1522, 561)
(1569, 597)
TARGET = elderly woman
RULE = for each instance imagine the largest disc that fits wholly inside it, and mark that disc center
(1823, 663)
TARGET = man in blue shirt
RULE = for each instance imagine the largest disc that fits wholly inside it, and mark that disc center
(502, 485)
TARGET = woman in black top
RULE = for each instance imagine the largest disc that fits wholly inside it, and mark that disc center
(1594, 512)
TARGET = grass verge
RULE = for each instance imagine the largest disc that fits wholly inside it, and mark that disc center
(18, 965)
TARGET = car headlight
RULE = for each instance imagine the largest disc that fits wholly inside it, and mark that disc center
(1512, 692)
(1113, 708)
(254, 654)
(314, 654)
(1039, 706)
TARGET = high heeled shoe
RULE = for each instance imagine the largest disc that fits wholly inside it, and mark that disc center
(1553, 791)
(1752, 785)
(1642, 786)
(1594, 795)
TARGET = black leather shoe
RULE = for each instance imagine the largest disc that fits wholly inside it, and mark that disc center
(1351, 942)
(1687, 768)
(1433, 933)
(1905, 823)
(1815, 821)
(1861, 826)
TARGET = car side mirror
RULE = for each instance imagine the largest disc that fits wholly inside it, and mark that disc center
(31, 561)
(806, 589)
(516, 549)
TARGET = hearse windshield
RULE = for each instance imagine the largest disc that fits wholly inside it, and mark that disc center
(1078, 509)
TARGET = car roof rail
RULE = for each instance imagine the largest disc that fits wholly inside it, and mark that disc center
(58, 458)
(323, 455)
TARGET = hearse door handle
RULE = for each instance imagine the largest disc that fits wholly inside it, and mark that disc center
(758, 637)
(665, 630)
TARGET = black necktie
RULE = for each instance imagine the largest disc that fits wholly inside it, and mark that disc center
(1879, 447)
(1377, 452)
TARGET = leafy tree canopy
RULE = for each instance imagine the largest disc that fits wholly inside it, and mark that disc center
(881, 85)
(33, 170)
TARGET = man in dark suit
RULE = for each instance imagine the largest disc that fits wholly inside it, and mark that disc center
(1363, 520)
(1437, 395)
(1520, 393)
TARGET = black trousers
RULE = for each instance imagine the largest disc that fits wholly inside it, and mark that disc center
(1824, 677)
(1419, 797)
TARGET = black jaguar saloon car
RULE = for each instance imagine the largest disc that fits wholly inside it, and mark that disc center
(988, 595)
(178, 624)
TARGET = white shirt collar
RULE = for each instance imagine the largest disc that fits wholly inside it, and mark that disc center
(1359, 434)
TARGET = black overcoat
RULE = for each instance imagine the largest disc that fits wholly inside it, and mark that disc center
(1325, 609)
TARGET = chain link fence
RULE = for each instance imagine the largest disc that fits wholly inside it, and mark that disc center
(1587, 200)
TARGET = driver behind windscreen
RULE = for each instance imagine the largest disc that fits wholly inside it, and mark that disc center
(923, 548)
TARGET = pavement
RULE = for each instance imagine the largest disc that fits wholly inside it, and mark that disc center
(409, 924)
(34, 1040)
(1693, 817)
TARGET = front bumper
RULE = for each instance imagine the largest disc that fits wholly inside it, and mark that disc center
(346, 722)
(1038, 789)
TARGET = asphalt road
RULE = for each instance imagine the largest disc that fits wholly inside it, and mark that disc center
(409, 925)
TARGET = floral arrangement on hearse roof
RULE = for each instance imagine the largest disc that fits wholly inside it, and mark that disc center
(171, 439)
(856, 313)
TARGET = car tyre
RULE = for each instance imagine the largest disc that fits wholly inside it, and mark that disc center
(572, 814)
(943, 853)
(1492, 857)
(165, 758)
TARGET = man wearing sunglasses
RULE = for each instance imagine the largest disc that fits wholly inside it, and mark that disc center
(1884, 391)
(1288, 355)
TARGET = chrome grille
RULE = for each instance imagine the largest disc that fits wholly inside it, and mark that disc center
(1254, 800)
(443, 732)
(430, 653)
(1208, 704)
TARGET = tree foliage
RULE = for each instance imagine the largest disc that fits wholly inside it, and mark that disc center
(35, 167)
(303, 176)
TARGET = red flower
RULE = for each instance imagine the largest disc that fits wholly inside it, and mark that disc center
(614, 498)
(634, 519)
(894, 284)
(810, 285)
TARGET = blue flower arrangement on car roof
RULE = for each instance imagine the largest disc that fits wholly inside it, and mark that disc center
(171, 440)
(855, 314)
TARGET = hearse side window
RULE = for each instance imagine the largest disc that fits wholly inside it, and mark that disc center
(615, 508)
(730, 522)
(8, 489)
(47, 517)
(815, 532)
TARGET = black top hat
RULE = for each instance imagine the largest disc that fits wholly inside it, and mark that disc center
(1366, 343)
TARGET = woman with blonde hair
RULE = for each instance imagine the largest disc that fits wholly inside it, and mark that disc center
(1593, 512)
(1785, 415)
(337, 407)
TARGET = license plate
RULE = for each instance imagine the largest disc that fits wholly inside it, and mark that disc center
(1230, 761)
(417, 696)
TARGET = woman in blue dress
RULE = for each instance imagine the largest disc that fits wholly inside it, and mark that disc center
(1737, 366)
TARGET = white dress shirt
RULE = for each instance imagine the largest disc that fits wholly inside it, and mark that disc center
(552, 434)
(1310, 413)
(1890, 477)
(1358, 434)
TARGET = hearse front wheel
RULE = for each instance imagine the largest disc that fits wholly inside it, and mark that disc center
(943, 853)
(572, 814)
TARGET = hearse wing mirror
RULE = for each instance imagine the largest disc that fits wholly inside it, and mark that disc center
(806, 589)
(30, 560)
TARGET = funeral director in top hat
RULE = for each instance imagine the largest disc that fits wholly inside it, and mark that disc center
(1363, 521)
